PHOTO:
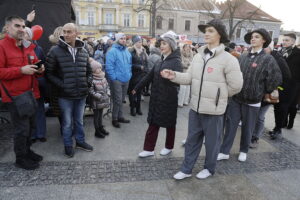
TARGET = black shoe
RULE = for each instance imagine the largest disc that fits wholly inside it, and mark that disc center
(116, 124)
(103, 131)
(84, 146)
(34, 156)
(291, 124)
(33, 140)
(276, 135)
(98, 134)
(43, 139)
(123, 120)
(124, 101)
(69, 151)
(132, 112)
(26, 163)
(139, 112)
(146, 94)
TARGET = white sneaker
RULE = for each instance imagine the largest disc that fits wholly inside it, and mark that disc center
(222, 156)
(242, 157)
(165, 151)
(181, 175)
(145, 154)
(183, 142)
(203, 174)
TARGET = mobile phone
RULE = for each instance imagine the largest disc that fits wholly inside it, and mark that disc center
(33, 7)
(38, 64)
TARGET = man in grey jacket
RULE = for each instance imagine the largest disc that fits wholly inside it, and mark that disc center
(261, 76)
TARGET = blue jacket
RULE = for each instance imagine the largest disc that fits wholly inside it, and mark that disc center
(118, 63)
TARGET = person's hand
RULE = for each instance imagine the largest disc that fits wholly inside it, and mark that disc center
(29, 69)
(133, 92)
(31, 16)
(41, 69)
(168, 74)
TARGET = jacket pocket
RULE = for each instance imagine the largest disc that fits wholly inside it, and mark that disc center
(218, 97)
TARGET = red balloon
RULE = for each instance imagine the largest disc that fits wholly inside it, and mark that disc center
(37, 32)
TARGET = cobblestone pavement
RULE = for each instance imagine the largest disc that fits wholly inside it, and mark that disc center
(92, 172)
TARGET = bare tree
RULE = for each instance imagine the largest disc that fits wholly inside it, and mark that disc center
(229, 10)
(152, 6)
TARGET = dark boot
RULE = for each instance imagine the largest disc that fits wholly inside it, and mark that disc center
(292, 117)
(276, 134)
(99, 134)
(290, 124)
(132, 111)
(26, 163)
(138, 111)
(34, 156)
(103, 131)
(116, 123)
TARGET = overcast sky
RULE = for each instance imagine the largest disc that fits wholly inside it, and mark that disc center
(288, 11)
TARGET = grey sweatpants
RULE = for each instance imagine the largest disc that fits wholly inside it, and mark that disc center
(118, 91)
(236, 112)
(200, 126)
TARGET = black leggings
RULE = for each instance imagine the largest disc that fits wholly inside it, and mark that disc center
(98, 118)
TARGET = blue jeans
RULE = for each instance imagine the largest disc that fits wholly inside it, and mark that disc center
(260, 123)
(40, 131)
(72, 111)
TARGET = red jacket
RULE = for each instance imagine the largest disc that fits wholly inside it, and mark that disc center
(12, 58)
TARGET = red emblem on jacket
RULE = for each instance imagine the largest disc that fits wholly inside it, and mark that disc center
(254, 65)
(210, 70)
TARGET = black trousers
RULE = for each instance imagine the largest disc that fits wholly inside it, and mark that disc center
(135, 100)
(23, 129)
(287, 103)
(98, 118)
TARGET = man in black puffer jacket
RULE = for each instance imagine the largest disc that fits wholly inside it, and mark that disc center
(68, 69)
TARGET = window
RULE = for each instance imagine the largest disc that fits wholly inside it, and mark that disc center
(108, 1)
(271, 34)
(159, 22)
(141, 20)
(109, 18)
(91, 17)
(77, 13)
(238, 33)
(249, 30)
(187, 26)
(141, 1)
(171, 24)
(202, 22)
(126, 20)
(127, 1)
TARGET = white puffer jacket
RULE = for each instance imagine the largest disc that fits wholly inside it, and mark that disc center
(222, 78)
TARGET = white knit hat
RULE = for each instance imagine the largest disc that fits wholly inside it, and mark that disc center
(118, 36)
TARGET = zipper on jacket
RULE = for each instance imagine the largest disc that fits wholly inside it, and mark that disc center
(205, 62)
(217, 97)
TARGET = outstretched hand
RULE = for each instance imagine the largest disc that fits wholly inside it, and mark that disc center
(168, 74)
(133, 92)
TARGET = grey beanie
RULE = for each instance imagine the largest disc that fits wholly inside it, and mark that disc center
(170, 40)
(136, 39)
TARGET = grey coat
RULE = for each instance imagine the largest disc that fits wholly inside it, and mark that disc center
(98, 92)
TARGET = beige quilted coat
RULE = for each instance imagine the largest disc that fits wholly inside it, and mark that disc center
(213, 81)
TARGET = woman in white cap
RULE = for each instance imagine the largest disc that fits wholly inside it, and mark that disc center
(163, 98)
(214, 75)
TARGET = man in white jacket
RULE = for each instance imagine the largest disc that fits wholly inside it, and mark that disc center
(214, 75)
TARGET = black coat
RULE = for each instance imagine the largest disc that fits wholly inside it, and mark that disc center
(71, 77)
(294, 64)
(163, 100)
(137, 72)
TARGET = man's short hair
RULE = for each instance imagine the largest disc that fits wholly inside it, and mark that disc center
(9, 19)
(291, 35)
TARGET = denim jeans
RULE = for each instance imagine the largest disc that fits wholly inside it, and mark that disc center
(72, 111)
(260, 123)
(40, 131)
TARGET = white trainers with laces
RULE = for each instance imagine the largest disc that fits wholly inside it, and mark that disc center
(242, 157)
(165, 151)
(180, 175)
(145, 154)
(203, 174)
(183, 142)
(222, 156)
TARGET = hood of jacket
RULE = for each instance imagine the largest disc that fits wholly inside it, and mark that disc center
(118, 46)
(174, 54)
(154, 50)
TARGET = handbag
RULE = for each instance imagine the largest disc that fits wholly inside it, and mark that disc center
(272, 98)
(25, 103)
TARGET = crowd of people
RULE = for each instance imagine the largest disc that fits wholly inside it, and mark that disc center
(224, 84)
